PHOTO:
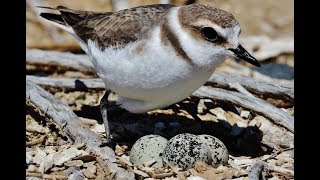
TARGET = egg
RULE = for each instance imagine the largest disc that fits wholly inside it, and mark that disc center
(185, 150)
(147, 148)
(218, 152)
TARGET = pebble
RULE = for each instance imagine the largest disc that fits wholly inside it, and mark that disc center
(87, 173)
(245, 114)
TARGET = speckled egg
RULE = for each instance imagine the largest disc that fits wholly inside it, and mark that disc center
(147, 148)
(219, 153)
(185, 150)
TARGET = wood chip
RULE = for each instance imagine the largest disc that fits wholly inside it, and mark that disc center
(67, 155)
(74, 163)
(37, 141)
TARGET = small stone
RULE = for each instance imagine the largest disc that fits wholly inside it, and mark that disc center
(98, 128)
(92, 169)
(245, 114)
(100, 177)
(219, 112)
(33, 168)
(32, 178)
(71, 102)
(74, 163)
(88, 173)
(201, 105)
(88, 164)
(74, 173)
(40, 155)
(208, 117)
(174, 124)
(159, 125)
(55, 169)
(81, 96)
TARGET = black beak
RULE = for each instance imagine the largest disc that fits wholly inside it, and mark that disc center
(241, 53)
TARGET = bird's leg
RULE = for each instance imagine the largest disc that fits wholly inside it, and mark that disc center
(104, 106)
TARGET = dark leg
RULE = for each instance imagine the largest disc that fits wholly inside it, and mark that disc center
(104, 105)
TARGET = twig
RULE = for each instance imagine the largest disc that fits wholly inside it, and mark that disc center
(87, 121)
(281, 170)
(240, 88)
(177, 172)
(36, 141)
(256, 171)
(161, 175)
(274, 114)
(276, 153)
(46, 176)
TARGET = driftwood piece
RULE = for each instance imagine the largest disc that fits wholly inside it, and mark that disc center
(253, 85)
(65, 60)
(67, 83)
(40, 100)
(256, 171)
(274, 114)
(263, 47)
(60, 113)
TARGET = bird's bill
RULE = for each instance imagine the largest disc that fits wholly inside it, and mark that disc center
(243, 54)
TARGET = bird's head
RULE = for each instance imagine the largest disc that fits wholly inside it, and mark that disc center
(210, 35)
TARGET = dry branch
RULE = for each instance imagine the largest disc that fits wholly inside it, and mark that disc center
(66, 60)
(281, 170)
(36, 141)
(274, 114)
(256, 171)
(253, 85)
(39, 99)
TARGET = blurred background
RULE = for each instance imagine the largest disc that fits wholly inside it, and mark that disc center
(256, 17)
(267, 30)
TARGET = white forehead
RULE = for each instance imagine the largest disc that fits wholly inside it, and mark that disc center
(231, 34)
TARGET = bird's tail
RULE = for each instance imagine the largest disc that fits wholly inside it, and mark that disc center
(66, 19)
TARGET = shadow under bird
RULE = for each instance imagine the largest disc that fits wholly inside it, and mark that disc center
(153, 56)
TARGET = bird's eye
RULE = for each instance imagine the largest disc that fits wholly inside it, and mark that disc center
(210, 34)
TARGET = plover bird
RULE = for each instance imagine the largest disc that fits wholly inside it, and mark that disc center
(153, 56)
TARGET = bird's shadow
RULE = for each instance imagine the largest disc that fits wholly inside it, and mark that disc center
(126, 127)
